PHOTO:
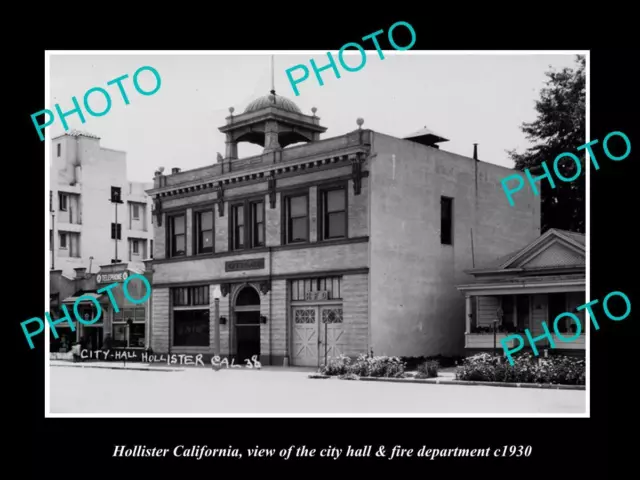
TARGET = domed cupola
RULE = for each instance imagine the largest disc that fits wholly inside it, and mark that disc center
(271, 121)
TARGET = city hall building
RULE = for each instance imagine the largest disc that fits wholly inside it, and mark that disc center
(346, 245)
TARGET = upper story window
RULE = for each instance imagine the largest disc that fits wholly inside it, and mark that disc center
(59, 149)
(136, 212)
(177, 235)
(116, 231)
(63, 240)
(333, 213)
(203, 226)
(247, 225)
(63, 201)
(136, 247)
(446, 221)
(296, 216)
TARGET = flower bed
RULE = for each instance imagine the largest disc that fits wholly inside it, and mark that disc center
(381, 366)
(364, 366)
(526, 369)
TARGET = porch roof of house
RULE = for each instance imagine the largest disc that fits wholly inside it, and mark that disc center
(554, 262)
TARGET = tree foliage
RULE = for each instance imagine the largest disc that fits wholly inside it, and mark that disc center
(560, 127)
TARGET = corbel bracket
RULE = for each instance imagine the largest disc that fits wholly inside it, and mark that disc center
(356, 173)
(272, 190)
(157, 209)
(265, 287)
(220, 199)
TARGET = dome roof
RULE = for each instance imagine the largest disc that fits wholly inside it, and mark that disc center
(268, 101)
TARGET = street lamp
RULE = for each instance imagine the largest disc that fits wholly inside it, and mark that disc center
(217, 294)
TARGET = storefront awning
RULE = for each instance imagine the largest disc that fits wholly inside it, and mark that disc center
(85, 299)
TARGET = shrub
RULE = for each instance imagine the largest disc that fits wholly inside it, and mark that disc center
(365, 366)
(428, 369)
(336, 366)
(526, 369)
(412, 363)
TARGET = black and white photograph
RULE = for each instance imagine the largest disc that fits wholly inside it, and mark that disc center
(395, 232)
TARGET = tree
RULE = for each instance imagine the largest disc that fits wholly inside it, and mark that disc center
(559, 127)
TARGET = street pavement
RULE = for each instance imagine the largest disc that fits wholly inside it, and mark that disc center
(285, 391)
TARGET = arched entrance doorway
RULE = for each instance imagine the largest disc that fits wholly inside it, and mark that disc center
(247, 316)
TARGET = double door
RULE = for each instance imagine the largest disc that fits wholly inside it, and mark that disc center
(318, 334)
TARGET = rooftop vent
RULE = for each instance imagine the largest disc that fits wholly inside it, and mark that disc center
(175, 170)
(424, 136)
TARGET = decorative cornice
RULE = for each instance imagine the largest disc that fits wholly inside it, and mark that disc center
(261, 173)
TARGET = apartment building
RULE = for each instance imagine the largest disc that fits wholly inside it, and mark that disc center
(345, 245)
(86, 228)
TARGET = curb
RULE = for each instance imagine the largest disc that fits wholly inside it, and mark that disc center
(147, 369)
(440, 381)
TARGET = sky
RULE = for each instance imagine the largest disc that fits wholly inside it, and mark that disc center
(465, 98)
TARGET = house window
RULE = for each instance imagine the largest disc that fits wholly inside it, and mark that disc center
(257, 224)
(296, 219)
(63, 240)
(136, 211)
(446, 220)
(63, 201)
(204, 231)
(116, 231)
(59, 148)
(136, 247)
(191, 316)
(238, 232)
(125, 335)
(177, 236)
(333, 213)
(151, 249)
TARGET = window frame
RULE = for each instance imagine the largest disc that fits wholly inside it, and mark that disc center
(170, 235)
(135, 207)
(322, 192)
(117, 234)
(249, 223)
(135, 246)
(119, 320)
(285, 201)
(451, 231)
(61, 196)
(59, 149)
(190, 305)
(62, 235)
(197, 248)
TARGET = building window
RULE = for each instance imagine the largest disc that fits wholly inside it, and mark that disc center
(237, 230)
(296, 219)
(116, 231)
(177, 236)
(136, 211)
(316, 289)
(247, 225)
(125, 335)
(446, 220)
(204, 231)
(136, 247)
(257, 224)
(63, 201)
(191, 316)
(333, 213)
(59, 148)
(151, 249)
(63, 240)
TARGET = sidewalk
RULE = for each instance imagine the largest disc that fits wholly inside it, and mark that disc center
(162, 367)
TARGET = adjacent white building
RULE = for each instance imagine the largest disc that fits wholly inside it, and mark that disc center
(84, 226)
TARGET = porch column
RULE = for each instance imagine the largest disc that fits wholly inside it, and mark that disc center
(469, 313)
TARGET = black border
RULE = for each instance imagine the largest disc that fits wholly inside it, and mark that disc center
(561, 447)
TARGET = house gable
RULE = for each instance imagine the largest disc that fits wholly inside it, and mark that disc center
(555, 253)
